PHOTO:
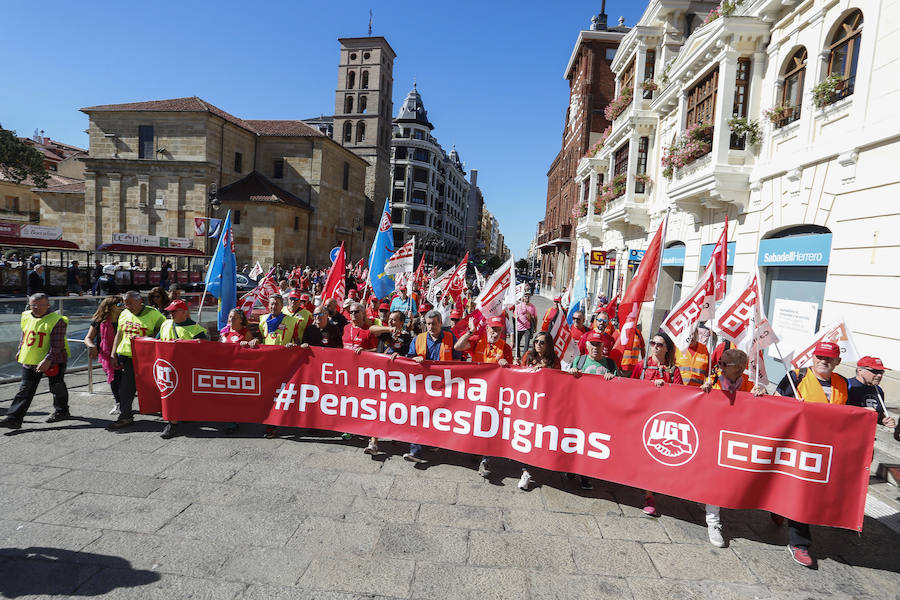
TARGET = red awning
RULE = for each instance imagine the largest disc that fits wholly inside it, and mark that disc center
(26, 242)
(132, 249)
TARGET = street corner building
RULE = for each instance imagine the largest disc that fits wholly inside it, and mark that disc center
(782, 117)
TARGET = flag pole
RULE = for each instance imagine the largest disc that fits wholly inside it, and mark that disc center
(790, 379)
(662, 243)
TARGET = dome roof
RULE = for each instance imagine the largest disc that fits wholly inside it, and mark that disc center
(413, 110)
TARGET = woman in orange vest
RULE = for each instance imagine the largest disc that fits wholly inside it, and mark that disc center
(817, 384)
(729, 376)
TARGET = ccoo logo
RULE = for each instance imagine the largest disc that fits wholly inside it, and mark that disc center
(165, 376)
(670, 438)
(385, 223)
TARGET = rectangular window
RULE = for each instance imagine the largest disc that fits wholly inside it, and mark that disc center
(278, 169)
(641, 168)
(399, 196)
(610, 53)
(346, 182)
(420, 175)
(741, 98)
(627, 78)
(649, 71)
(418, 134)
(396, 215)
(238, 162)
(621, 160)
(400, 173)
(416, 217)
(237, 217)
(419, 196)
(422, 155)
(296, 223)
(145, 141)
(400, 152)
(12, 203)
(701, 100)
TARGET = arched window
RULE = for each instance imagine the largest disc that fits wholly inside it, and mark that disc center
(363, 103)
(844, 53)
(348, 104)
(792, 91)
(364, 81)
(348, 131)
(361, 132)
(351, 80)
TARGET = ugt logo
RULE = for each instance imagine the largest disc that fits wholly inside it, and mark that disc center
(670, 438)
(165, 376)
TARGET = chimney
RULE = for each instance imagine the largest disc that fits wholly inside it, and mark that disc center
(602, 24)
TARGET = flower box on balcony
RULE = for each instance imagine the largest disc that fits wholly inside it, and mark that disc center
(618, 106)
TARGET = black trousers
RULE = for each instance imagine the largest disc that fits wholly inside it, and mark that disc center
(127, 388)
(28, 387)
(798, 534)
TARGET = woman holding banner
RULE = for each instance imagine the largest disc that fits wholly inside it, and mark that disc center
(659, 367)
(541, 355)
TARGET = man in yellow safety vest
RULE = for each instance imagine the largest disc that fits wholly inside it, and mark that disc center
(179, 327)
(43, 350)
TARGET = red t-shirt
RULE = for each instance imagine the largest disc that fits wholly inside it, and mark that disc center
(234, 337)
(359, 337)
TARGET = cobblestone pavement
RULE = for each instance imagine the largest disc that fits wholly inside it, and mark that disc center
(211, 515)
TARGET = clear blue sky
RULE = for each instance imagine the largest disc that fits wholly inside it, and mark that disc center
(490, 72)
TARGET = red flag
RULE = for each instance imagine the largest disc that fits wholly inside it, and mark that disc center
(610, 309)
(419, 276)
(641, 289)
(457, 282)
(719, 257)
(335, 282)
(265, 288)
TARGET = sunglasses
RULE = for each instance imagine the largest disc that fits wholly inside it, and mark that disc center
(536, 342)
(722, 365)
(578, 318)
(319, 314)
(656, 344)
(874, 371)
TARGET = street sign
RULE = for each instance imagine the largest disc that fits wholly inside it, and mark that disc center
(334, 253)
(598, 257)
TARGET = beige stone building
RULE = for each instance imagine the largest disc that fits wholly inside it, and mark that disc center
(153, 165)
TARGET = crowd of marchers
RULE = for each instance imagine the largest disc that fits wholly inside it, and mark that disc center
(407, 325)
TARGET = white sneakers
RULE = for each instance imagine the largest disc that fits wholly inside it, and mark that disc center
(115, 410)
(525, 481)
(715, 535)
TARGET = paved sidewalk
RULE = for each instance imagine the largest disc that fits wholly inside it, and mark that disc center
(210, 515)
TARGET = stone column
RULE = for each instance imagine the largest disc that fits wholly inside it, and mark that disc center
(592, 197)
(639, 74)
(140, 222)
(113, 222)
(724, 107)
(92, 208)
(632, 165)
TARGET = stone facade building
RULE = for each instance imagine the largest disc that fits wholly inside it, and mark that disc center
(430, 192)
(783, 118)
(591, 88)
(152, 164)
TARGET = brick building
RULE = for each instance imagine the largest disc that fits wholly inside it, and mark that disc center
(591, 89)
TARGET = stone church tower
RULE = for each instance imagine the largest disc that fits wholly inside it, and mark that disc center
(363, 111)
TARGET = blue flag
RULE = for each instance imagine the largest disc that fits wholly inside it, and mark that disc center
(579, 288)
(382, 249)
(221, 278)
(215, 227)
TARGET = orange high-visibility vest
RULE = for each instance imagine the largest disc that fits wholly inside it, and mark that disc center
(632, 356)
(694, 364)
(488, 353)
(446, 346)
(746, 384)
(811, 390)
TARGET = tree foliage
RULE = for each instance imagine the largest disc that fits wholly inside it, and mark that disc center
(18, 160)
(522, 264)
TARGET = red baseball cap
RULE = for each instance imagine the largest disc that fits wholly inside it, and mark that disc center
(496, 322)
(384, 306)
(558, 299)
(305, 297)
(296, 296)
(870, 362)
(425, 308)
(456, 314)
(352, 294)
(177, 305)
(828, 349)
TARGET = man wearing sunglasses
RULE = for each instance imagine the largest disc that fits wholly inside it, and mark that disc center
(864, 389)
(818, 383)
(357, 336)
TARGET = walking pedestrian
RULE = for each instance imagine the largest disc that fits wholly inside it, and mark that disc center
(137, 320)
(526, 322)
(99, 341)
(43, 350)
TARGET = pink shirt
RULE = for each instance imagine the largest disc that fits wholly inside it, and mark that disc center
(526, 315)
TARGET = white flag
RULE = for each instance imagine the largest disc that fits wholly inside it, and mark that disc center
(739, 312)
(479, 279)
(494, 296)
(438, 284)
(256, 271)
(836, 332)
(402, 260)
(697, 306)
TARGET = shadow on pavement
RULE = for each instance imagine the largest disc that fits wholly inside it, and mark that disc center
(40, 571)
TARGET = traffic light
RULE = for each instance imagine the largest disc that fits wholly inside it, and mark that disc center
(213, 195)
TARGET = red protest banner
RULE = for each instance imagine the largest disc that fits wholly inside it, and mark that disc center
(808, 462)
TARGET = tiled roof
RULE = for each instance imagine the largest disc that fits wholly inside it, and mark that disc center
(190, 104)
(284, 128)
(255, 187)
(60, 184)
(195, 104)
